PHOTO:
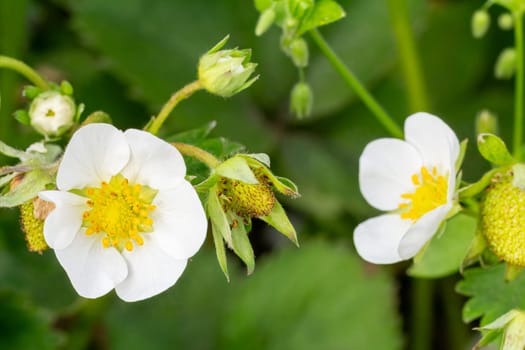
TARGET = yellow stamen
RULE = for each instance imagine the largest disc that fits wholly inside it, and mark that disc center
(430, 193)
(119, 211)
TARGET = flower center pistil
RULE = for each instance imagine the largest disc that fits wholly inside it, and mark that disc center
(120, 211)
(430, 193)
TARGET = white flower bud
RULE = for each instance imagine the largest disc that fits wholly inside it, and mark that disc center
(51, 113)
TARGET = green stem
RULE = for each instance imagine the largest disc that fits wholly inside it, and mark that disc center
(376, 109)
(518, 99)
(198, 153)
(174, 100)
(421, 314)
(409, 58)
(25, 70)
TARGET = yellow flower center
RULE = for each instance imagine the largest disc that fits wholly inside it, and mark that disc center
(430, 193)
(120, 211)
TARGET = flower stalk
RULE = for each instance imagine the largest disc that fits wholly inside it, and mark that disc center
(381, 115)
(25, 70)
(198, 153)
(519, 85)
(174, 100)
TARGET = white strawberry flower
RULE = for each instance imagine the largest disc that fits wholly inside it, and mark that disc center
(414, 181)
(125, 217)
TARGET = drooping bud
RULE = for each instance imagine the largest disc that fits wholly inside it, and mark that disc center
(301, 100)
(502, 217)
(480, 23)
(506, 64)
(265, 21)
(32, 215)
(226, 72)
(505, 21)
(486, 123)
(52, 113)
(298, 51)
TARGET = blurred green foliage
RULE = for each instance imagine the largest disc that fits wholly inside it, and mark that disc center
(127, 56)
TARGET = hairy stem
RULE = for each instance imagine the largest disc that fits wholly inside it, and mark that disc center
(25, 70)
(174, 100)
(198, 153)
(381, 115)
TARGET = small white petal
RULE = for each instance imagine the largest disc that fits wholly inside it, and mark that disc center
(386, 167)
(64, 221)
(95, 153)
(151, 271)
(179, 221)
(433, 138)
(422, 231)
(153, 162)
(377, 239)
(92, 269)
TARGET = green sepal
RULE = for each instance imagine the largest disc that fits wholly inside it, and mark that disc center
(4, 180)
(462, 150)
(475, 250)
(323, 13)
(493, 149)
(28, 188)
(206, 185)
(279, 220)
(31, 91)
(236, 168)
(477, 187)
(22, 116)
(220, 250)
(518, 178)
(219, 45)
(218, 217)
(260, 157)
(97, 117)
(12, 152)
(241, 243)
(66, 88)
(488, 336)
(281, 184)
(512, 272)
(80, 110)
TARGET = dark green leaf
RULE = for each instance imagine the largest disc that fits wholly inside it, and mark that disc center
(490, 295)
(317, 297)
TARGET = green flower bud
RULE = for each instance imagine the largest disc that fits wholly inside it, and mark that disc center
(506, 64)
(486, 123)
(480, 23)
(226, 72)
(52, 114)
(505, 21)
(301, 100)
(298, 51)
(265, 21)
